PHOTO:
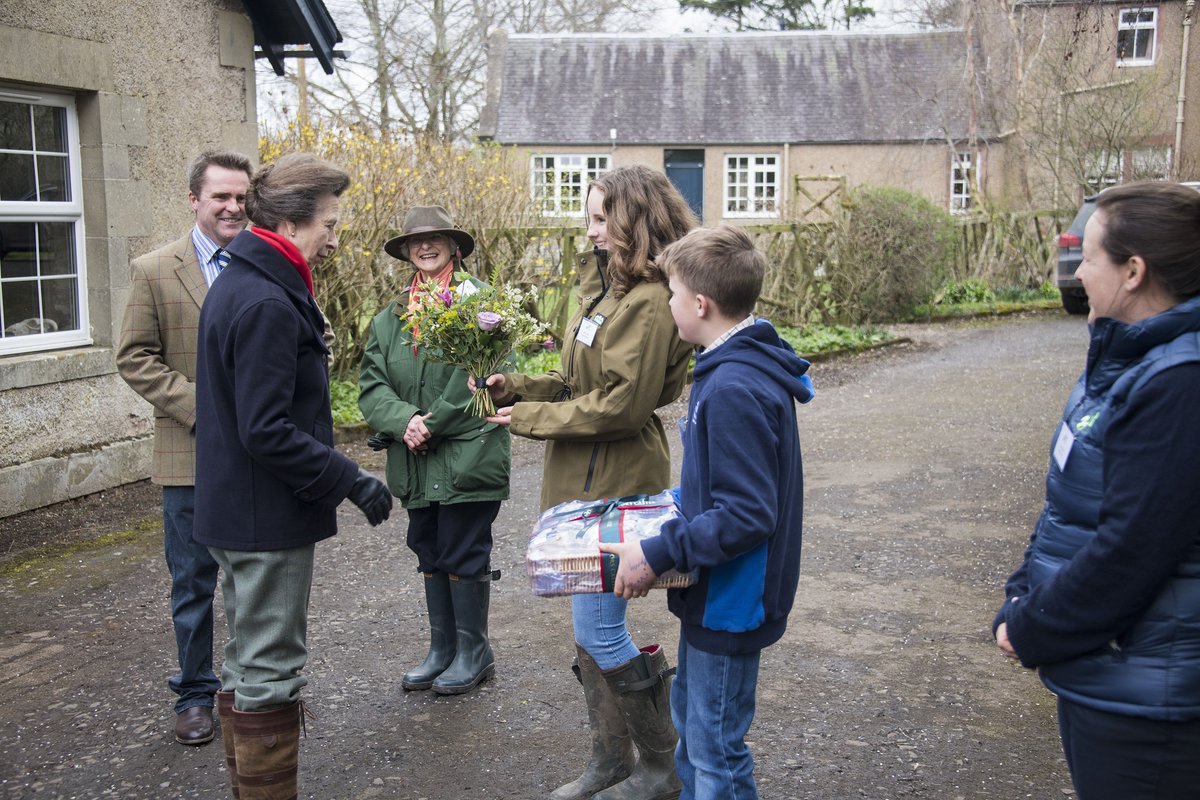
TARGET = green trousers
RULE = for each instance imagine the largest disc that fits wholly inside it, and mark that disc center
(266, 605)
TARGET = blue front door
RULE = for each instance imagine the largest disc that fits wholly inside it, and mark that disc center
(685, 169)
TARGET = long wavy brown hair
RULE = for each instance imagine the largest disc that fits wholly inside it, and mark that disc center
(644, 213)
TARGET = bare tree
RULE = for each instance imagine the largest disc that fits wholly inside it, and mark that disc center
(418, 66)
(1072, 117)
(783, 15)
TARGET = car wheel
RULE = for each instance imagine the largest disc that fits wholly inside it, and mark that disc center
(1075, 303)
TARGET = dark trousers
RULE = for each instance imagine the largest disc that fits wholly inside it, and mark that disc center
(1117, 757)
(193, 583)
(456, 539)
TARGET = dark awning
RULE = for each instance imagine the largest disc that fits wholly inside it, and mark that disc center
(278, 23)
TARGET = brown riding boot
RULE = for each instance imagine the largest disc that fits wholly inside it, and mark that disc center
(612, 751)
(643, 689)
(225, 714)
(268, 752)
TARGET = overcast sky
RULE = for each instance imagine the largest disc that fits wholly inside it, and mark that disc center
(671, 20)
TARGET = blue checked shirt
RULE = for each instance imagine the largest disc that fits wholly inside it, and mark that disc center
(206, 251)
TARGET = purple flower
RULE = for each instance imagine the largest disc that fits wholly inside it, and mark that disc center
(446, 297)
(549, 344)
(488, 320)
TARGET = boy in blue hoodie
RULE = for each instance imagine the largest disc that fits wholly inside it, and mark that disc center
(742, 498)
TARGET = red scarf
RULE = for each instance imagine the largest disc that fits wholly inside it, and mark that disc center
(288, 251)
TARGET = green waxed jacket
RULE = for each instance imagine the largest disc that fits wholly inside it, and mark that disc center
(467, 460)
(597, 411)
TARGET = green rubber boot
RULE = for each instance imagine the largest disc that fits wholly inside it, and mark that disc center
(643, 689)
(442, 636)
(473, 661)
(612, 750)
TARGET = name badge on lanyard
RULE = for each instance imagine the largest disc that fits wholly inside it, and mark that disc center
(587, 330)
(1062, 446)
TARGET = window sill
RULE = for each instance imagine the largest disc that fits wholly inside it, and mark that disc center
(750, 215)
(55, 366)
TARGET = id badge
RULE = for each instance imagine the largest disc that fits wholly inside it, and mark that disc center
(587, 331)
(1062, 447)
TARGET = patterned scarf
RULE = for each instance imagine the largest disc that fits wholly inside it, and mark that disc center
(414, 291)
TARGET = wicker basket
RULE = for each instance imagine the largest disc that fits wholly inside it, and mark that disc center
(564, 558)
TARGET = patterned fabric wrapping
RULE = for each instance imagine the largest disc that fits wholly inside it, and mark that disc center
(563, 556)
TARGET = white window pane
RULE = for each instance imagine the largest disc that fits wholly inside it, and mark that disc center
(16, 132)
(50, 129)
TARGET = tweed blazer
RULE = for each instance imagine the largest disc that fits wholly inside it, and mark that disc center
(157, 353)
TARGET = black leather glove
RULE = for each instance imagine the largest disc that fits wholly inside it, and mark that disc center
(381, 441)
(371, 496)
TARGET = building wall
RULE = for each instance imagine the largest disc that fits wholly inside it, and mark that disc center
(1061, 62)
(923, 168)
(154, 83)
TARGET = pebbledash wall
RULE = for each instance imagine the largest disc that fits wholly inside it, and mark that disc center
(151, 83)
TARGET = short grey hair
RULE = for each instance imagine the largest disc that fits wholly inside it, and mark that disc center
(291, 189)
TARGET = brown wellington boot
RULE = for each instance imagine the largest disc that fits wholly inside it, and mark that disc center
(643, 689)
(268, 752)
(225, 714)
(612, 751)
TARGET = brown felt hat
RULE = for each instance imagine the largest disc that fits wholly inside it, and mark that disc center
(422, 220)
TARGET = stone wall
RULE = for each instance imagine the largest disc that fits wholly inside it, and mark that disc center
(154, 84)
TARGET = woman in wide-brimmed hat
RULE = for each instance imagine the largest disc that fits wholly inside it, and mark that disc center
(449, 469)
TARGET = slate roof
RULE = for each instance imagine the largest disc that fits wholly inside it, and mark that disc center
(732, 88)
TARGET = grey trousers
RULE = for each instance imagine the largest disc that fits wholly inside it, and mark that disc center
(266, 606)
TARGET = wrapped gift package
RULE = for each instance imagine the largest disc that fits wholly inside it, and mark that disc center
(564, 554)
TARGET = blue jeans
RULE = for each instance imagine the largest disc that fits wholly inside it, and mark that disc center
(712, 706)
(599, 621)
(193, 583)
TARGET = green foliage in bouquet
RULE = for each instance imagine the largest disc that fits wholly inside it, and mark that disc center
(475, 329)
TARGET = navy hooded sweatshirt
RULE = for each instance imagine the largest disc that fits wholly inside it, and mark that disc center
(741, 494)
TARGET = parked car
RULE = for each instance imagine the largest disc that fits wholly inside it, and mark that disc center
(1070, 253)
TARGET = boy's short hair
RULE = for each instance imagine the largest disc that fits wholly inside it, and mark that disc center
(720, 263)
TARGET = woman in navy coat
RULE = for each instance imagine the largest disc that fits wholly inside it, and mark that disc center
(268, 479)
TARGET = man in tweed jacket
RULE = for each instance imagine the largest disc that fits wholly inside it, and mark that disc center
(157, 358)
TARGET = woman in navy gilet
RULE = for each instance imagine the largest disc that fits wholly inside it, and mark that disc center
(1106, 604)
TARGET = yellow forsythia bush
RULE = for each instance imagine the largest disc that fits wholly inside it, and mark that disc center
(486, 188)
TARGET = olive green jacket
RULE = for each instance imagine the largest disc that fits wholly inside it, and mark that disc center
(597, 411)
(467, 460)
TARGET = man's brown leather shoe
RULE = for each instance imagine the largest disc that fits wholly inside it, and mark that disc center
(194, 725)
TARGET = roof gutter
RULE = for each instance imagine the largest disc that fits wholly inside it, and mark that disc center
(1189, 8)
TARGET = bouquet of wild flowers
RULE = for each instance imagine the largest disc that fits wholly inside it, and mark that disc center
(475, 329)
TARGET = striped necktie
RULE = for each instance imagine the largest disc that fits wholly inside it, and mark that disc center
(222, 259)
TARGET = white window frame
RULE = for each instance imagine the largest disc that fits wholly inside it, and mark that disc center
(564, 192)
(1102, 170)
(751, 181)
(1137, 26)
(1150, 163)
(963, 169)
(70, 211)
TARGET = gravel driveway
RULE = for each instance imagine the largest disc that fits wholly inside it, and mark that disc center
(924, 470)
